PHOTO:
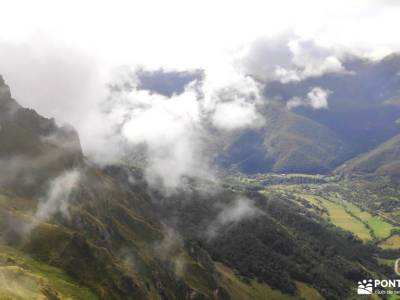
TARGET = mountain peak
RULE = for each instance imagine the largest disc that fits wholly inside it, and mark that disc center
(39, 142)
(5, 93)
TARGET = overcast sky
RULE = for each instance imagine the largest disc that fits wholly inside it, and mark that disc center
(184, 34)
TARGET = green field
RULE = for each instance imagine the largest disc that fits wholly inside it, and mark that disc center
(392, 242)
(342, 219)
(347, 215)
(380, 227)
(339, 217)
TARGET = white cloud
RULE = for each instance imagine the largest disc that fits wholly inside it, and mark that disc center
(289, 58)
(170, 249)
(313, 59)
(169, 128)
(172, 129)
(317, 98)
(235, 114)
(58, 195)
(240, 209)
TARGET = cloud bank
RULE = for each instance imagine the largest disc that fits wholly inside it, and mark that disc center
(287, 58)
(171, 132)
(240, 209)
(317, 98)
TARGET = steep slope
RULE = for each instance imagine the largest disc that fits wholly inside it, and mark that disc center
(33, 149)
(21, 277)
(287, 143)
(383, 160)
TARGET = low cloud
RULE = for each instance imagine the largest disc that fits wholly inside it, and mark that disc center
(166, 130)
(58, 195)
(240, 209)
(25, 172)
(169, 250)
(128, 258)
(171, 133)
(235, 114)
(317, 98)
(55, 200)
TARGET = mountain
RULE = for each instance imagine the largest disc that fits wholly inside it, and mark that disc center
(33, 149)
(72, 230)
(362, 112)
(287, 143)
(359, 109)
(382, 160)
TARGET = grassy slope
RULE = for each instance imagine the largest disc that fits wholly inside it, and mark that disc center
(48, 243)
(298, 144)
(287, 143)
(22, 277)
(384, 159)
(239, 289)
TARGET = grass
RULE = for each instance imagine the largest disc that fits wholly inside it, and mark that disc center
(381, 228)
(308, 292)
(22, 277)
(340, 217)
(197, 279)
(239, 289)
(386, 262)
(392, 242)
(15, 283)
(317, 201)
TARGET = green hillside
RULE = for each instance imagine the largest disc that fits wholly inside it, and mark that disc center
(297, 144)
(287, 143)
(383, 160)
